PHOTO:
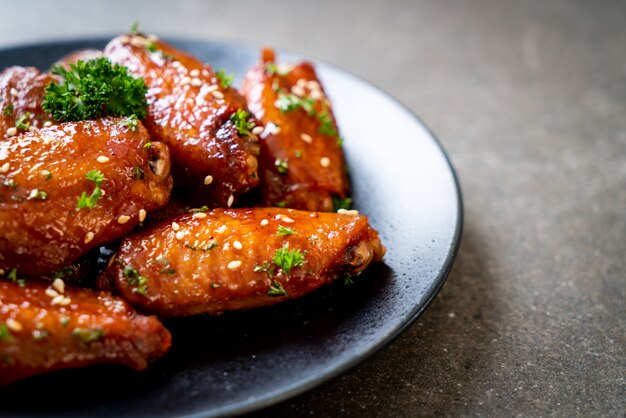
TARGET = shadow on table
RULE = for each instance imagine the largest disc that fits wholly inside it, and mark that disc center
(431, 369)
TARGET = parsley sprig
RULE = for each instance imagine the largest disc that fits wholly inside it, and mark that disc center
(94, 89)
(90, 201)
(287, 259)
(225, 79)
(242, 123)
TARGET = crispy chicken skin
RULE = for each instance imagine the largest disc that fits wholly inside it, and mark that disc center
(38, 335)
(190, 111)
(21, 94)
(222, 260)
(43, 174)
(302, 164)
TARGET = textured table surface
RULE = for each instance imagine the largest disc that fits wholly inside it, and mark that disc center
(529, 99)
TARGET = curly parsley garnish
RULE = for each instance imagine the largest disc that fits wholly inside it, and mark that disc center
(94, 89)
(287, 259)
(276, 289)
(283, 230)
(89, 202)
(225, 79)
(242, 124)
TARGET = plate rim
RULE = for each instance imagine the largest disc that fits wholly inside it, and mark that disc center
(325, 376)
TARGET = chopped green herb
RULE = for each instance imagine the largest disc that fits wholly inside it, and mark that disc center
(280, 204)
(205, 249)
(225, 79)
(10, 183)
(138, 173)
(283, 230)
(8, 111)
(13, 277)
(215, 285)
(37, 194)
(288, 102)
(327, 126)
(47, 175)
(134, 28)
(152, 47)
(93, 89)
(276, 289)
(341, 203)
(64, 321)
(347, 280)
(266, 267)
(201, 209)
(167, 271)
(281, 165)
(64, 272)
(4, 332)
(90, 202)
(298, 153)
(282, 69)
(275, 85)
(242, 124)
(340, 141)
(87, 335)
(287, 259)
(148, 145)
(131, 122)
(23, 121)
(270, 68)
(39, 334)
(160, 260)
(133, 278)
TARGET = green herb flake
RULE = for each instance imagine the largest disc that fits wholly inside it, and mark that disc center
(4, 332)
(271, 68)
(10, 183)
(281, 165)
(340, 141)
(242, 123)
(341, 203)
(347, 280)
(64, 321)
(160, 260)
(276, 289)
(87, 335)
(287, 259)
(298, 153)
(133, 278)
(151, 47)
(205, 249)
(168, 271)
(198, 210)
(94, 89)
(13, 277)
(266, 267)
(46, 174)
(8, 111)
(134, 28)
(63, 272)
(148, 145)
(283, 230)
(138, 173)
(280, 204)
(327, 125)
(289, 102)
(37, 194)
(225, 79)
(215, 285)
(132, 122)
(90, 202)
(23, 121)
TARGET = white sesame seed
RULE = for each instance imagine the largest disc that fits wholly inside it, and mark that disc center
(231, 199)
(177, 64)
(217, 94)
(185, 81)
(59, 285)
(142, 215)
(103, 192)
(33, 194)
(306, 138)
(264, 222)
(279, 216)
(180, 235)
(237, 245)
(124, 39)
(257, 130)
(194, 73)
(211, 88)
(47, 124)
(235, 264)
(138, 41)
(14, 92)
(301, 82)
(221, 229)
(32, 128)
(325, 162)
(342, 211)
(12, 131)
(46, 140)
(175, 226)
(123, 219)
(276, 130)
(287, 220)
(199, 215)
(65, 301)
(14, 325)
(88, 237)
(208, 180)
(51, 293)
(102, 159)
(57, 300)
(196, 82)
(5, 167)
(313, 85)
(312, 215)
(352, 212)
(316, 94)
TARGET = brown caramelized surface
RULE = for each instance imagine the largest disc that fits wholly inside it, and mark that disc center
(38, 335)
(315, 169)
(190, 112)
(21, 93)
(42, 175)
(205, 262)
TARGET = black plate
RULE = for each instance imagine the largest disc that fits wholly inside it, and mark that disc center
(244, 361)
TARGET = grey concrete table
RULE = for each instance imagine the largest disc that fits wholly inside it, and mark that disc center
(529, 98)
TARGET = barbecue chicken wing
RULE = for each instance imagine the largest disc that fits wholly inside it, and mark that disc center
(72, 187)
(301, 163)
(86, 54)
(190, 111)
(50, 328)
(21, 95)
(222, 260)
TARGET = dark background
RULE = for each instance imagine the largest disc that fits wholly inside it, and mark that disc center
(529, 99)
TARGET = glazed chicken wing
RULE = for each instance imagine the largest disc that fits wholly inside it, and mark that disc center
(72, 187)
(86, 54)
(50, 328)
(21, 96)
(191, 111)
(222, 260)
(301, 163)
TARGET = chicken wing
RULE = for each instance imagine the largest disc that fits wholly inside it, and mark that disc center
(86, 54)
(222, 260)
(203, 123)
(72, 187)
(50, 328)
(21, 96)
(301, 164)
